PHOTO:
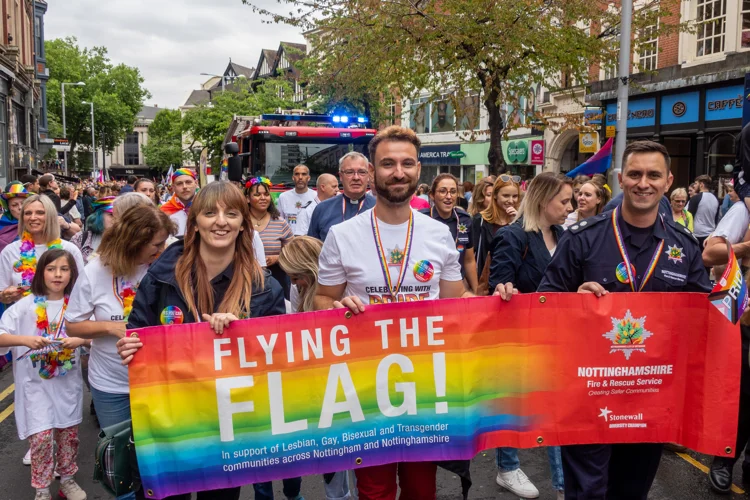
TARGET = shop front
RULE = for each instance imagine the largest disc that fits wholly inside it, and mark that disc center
(439, 159)
(124, 171)
(698, 126)
(518, 157)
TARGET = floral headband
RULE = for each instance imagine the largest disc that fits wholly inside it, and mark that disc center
(252, 181)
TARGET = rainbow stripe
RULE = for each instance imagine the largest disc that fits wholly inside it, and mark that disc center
(730, 295)
(511, 378)
(183, 171)
(105, 204)
(15, 190)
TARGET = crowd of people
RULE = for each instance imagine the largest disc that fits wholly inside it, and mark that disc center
(117, 256)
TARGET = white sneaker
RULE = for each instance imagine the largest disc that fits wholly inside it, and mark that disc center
(27, 458)
(517, 483)
(71, 490)
(43, 495)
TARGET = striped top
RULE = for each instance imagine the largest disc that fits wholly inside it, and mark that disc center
(276, 233)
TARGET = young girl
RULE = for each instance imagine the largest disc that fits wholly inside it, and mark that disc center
(47, 375)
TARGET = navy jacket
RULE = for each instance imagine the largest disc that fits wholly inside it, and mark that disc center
(520, 257)
(158, 290)
(588, 251)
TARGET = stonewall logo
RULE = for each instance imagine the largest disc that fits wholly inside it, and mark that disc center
(617, 421)
(517, 152)
(628, 335)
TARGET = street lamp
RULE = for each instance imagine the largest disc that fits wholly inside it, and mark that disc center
(65, 132)
(93, 140)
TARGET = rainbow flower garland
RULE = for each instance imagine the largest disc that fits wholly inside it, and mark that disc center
(26, 264)
(56, 361)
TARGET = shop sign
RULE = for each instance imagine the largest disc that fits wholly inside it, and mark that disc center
(537, 152)
(516, 152)
(593, 117)
(611, 131)
(588, 142)
(641, 113)
(724, 103)
(680, 108)
(441, 155)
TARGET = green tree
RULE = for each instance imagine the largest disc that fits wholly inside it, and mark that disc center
(499, 50)
(116, 90)
(206, 125)
(164, 147)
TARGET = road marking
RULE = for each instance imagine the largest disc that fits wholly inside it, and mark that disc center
(692, 462)
(7, 391)
(6, 412)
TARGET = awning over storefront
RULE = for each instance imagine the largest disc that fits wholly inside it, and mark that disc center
(444, 154)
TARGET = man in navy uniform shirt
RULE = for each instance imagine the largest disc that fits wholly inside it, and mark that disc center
(663, 257)
(353, 201)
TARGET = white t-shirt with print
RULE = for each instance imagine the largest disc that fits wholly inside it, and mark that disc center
(350, 256)
(94, 295)
(304, 217)
(733, 226)
(291, 203)
(12, 253)
(41, 404)
(180, 219)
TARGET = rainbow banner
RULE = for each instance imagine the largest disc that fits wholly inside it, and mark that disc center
(730, 293)
(312, 393)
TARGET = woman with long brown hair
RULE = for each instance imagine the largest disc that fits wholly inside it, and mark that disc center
(212, 275)
(505, 199)
(105, 292)
(481, 196)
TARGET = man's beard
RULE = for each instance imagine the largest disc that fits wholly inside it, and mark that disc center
(383, 192)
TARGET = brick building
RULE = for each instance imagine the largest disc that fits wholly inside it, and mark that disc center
(687, 88)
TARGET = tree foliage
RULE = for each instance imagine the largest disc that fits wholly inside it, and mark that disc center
(164, 146)
(453, 49)
(116, 90)
(206, 125)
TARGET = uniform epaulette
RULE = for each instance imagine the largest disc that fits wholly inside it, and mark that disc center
(587, 223)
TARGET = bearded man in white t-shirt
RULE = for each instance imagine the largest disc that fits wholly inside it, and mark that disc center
(291, 203)
(422, 264)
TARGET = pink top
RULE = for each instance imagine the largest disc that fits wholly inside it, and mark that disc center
(418, 203)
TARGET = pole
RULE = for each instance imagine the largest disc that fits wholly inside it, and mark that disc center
(623, 80)
(65, 132)
(93, 141)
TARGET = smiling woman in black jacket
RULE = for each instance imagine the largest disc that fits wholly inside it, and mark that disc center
(520, 255)
(210, 276)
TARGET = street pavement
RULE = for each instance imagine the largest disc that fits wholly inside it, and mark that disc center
(678, 478)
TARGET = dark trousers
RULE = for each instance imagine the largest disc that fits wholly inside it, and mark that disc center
(610, 471)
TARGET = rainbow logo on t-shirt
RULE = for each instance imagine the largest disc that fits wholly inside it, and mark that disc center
(423, 271)
(171, 315)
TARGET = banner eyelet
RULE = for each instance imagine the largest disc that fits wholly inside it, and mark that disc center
(348, 315)
(540, 439)
(150, 493)
(728, 450)
(358, 461)
(542, 299)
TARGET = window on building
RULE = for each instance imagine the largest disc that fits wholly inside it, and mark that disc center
(391, 118)
(38, 45)
(711, 20)
(649, 47)
(608, 68)
(20, 117)
(299, 93)
(745, 20)
(132, 149)
(419, 117)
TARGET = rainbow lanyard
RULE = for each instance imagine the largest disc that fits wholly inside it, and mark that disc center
(458, 221)
(403, 265)
(343, 207)
(626, 260)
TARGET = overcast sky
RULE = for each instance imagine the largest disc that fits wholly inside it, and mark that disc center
(170, 41)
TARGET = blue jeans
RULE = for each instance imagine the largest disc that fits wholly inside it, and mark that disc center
(507, 461)
(110, 408)
(292, 486)
(339, 488)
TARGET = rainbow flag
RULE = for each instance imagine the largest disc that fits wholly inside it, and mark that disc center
(311, 393)
(730, 293)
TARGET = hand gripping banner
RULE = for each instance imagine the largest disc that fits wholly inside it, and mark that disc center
(320, 392)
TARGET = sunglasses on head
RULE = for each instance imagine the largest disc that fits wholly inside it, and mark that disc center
(511, 178)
